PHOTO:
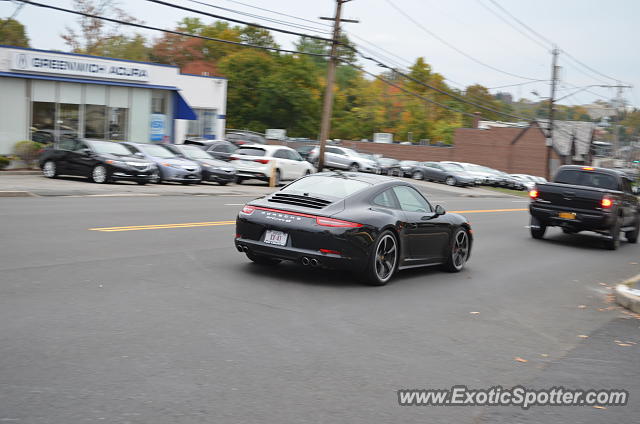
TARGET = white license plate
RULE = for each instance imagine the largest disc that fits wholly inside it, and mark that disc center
(275, 237)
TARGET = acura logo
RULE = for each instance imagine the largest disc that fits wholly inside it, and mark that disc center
(22, 61)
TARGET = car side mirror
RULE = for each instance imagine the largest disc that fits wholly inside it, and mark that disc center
(440, 210)
(86, 152)
(138, 154)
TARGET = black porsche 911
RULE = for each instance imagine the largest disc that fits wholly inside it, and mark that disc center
(369, 224)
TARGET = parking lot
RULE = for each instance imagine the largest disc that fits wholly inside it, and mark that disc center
(164, 321)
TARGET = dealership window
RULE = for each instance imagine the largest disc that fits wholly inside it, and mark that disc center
(95, 121)
(68, 120)
(43, 119)
(118, 118)
(204, 126)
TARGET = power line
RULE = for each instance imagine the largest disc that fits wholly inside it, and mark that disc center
(278, 13)
(137, 25)
(238, 21)
(251, 15)
(531, 30)
(448, 44)
(515, 85)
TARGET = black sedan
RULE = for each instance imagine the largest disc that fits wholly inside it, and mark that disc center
(212, 169)
(368, 224)
(100, 161)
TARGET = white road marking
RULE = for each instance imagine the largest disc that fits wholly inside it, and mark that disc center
(234, 204)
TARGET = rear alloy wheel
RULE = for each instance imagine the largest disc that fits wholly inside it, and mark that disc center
(262, 260)
(460, 249)
(49, 169)
(613, 241)
(451, 181)
(100, 175)
(383, 261)
(537, 228)
(354, 167)
(632, 236)
(418, 175)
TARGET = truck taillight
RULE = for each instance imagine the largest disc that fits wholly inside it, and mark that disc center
(606, 202)
(533, 194)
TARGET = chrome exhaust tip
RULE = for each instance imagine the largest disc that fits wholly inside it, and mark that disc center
(314, 262)
(245, 249)
(305, 261)
(239, 248)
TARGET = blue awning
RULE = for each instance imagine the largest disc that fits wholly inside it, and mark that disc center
(181, 109)
(86, 81)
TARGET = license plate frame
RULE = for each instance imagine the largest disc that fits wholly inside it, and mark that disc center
(276, 238)
(567, 215)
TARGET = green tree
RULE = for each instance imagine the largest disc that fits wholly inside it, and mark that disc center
(12, 33)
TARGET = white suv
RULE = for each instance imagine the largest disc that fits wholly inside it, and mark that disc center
(259, 160)
(343, 158)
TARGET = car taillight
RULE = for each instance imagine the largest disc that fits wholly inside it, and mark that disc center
(248, 210)
(262, 161)
(330, 222)
(233, 158)
(329, 251)
(533, 194)
(606, 202)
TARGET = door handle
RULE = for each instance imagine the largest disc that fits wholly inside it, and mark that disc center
(412, 226)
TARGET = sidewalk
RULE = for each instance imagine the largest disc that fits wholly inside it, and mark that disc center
(34, 184)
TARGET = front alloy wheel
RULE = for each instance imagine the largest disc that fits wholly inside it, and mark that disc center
(99, 174)
(49, 169)
(450, 181)
(418, 175)
(460, 249)
(382, 265)
(354, 167)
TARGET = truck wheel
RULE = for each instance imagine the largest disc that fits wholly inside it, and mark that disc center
(632, 236)
(537, 228)
(613, 242)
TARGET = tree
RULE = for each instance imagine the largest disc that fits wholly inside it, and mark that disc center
(12, 33)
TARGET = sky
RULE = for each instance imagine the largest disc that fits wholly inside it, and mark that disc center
(602, 35)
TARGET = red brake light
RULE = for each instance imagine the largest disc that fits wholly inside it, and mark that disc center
(606, 202)
(333, 252)
(233, 158)
(533, 194)
(330, 222)
(262, 161)
(248, 210)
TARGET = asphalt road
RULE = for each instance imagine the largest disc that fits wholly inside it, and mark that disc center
(173, 325)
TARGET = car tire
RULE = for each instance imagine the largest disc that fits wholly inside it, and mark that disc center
(239, 180)
(632, 236)
(223, 183)
(418, 175)
(459, 250)
(156, 178)
(379, 270)
(262, 260)
(537, 228)
(613, 242)
(100, 174)
(451, 181)
(49, 169)
(354, 167)
(142, 182)
(307, 173)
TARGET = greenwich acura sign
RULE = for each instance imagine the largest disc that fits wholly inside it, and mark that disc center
(78, 66)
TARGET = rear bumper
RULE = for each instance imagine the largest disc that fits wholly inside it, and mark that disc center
(294, 254)
(584, 221)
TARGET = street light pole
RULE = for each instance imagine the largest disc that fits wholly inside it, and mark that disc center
(554, 81)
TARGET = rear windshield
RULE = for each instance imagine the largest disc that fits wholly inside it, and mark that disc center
(323, 186)
(250, 151)
(587, 178)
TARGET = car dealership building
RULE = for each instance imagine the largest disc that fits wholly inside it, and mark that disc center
(47, 95)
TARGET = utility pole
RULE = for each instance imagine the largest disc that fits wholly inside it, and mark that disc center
(552, 99)
(327, 107)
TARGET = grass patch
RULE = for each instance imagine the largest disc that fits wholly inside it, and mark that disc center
(521, 193)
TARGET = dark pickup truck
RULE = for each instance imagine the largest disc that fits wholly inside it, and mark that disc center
(583, 198)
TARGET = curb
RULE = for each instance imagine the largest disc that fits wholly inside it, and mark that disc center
(16, 194)
(627, 296)
(24, 172)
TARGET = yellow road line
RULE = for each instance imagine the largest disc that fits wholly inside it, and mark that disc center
(217, 223)
(492, 210)
(163, 226)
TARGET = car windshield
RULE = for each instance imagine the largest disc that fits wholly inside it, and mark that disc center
(387, 161)
(156, 151)
(250, 151)
(351, 152)
(325, 186)
(109, 147)
(408, 163)
(195, 153)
